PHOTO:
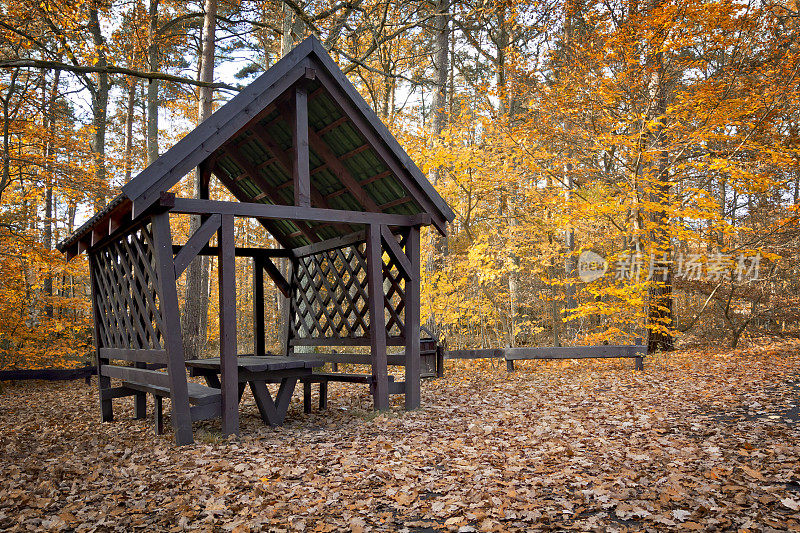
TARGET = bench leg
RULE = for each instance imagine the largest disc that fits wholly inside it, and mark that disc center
(306, 397)
(639, 363)
(158, 414)
(323, 395)
(510, 365)
(140, 406)
(140, 400)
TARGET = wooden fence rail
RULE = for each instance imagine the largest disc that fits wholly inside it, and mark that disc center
(49, 374)
(636, 351)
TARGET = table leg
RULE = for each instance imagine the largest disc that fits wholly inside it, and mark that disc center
(273, 412)
(212, 380)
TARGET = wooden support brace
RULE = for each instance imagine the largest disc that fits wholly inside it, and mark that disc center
(277, 277)
(196, 243)
(394, 250)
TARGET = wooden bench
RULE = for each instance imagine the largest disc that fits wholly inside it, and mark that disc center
(635, 351)
(206, 401)
(431, 359)
(323, 378)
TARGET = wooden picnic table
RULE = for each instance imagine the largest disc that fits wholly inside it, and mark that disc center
(258, 371)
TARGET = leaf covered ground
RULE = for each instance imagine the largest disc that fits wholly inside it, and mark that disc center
(702, 440)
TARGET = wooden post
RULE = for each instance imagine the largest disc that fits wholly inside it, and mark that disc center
(258, 306)
(288, 308)
(227, 327)
(639, 361)
(377, 318)
(140, 400)
(301, 174)
(306, 396)
(103, 382)
(412, 306)
(172, 339)
(439, 362)
(158, 414)
(509, 365)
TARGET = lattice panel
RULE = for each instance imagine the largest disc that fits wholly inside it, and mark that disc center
(330, 298)
(394, 290)
(127, 293)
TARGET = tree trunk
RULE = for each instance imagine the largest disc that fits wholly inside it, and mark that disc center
(438, 123)
(152, 86)
(5, 176)
(660, 320)
(195, 312)
(48, 126)
(129, 114)
(99, 93)
(292, 29)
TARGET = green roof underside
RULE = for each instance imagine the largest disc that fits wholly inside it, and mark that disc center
(346, 143)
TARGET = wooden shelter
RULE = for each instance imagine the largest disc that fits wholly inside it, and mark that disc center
(305, 156)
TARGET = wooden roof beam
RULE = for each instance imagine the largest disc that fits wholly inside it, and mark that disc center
(354, 151)
(376, 177)
(372, 132)
(332, 126)
(239, 195)
(192, 206)
(399, 201)
(265, 187)
(337, 167)
(215, 131)
(316, 197)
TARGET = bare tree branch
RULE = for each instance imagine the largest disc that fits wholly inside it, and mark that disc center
(79, 69)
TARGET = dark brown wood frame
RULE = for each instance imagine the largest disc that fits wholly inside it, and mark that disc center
(136, 306)
(360, 288)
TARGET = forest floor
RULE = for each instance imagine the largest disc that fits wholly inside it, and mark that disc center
(701, 440)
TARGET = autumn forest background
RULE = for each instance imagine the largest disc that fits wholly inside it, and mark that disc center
(657, 134)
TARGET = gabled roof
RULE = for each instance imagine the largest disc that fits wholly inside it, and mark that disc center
(355, 162)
